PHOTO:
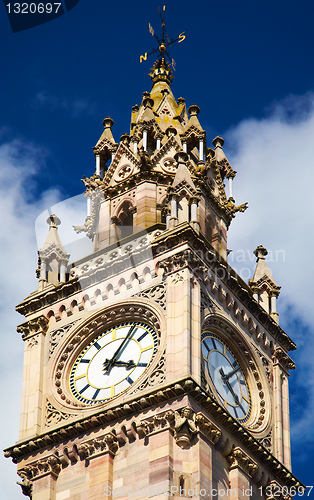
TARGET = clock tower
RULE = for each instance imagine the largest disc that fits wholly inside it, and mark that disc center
(151, 369)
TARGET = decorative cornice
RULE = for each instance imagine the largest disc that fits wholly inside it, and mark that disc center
(33, 327)
(47, 466)
(192, 424)
(39, 300)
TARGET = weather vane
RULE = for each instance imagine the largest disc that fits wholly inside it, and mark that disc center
(163, 41)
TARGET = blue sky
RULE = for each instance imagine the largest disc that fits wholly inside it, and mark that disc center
(248, 65)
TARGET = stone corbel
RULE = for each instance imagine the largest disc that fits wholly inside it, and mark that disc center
(33, 327)
(48, 466)
(281, 357)
(94, 448)
(207, 428)
(127, 434)
(156, 424)
(239, 459)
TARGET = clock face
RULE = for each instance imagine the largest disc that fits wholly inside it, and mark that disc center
(112, 362)
(227, 376)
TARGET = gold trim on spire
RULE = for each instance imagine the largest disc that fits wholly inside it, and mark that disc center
(161, 71)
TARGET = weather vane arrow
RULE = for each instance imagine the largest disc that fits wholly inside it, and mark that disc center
(164, 41)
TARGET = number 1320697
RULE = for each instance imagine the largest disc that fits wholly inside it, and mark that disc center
(33, 8)
(279, 491)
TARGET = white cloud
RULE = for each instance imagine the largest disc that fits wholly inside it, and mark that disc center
(19, 164)
(274, 158)
(75, 107)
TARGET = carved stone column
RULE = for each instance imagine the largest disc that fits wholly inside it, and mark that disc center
(39, 478)
(242, 468)
(99, 454)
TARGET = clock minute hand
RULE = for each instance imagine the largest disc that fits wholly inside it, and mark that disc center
(228, 375)
(108, 363)
(226, 381)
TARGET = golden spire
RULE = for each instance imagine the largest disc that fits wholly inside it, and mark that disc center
(161, 71)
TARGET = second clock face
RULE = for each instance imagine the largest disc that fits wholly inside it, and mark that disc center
(227, 376)
(112, 362)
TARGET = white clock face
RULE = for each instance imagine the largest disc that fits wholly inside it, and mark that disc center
(227, 376)
(112, 362)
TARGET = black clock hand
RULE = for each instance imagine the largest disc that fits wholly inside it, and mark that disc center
(228, 375)
(234, 395)
(128, 364)
(108, 363)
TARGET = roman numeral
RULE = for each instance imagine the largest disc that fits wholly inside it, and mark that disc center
(96, 394)
(141, 364)
(235, 364)
(97, 346)
(129, 380)
(84, 388)
(85, 361)
(242, 381)
(142, 336)
(214, 343)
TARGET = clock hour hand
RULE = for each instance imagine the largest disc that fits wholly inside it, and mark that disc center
(108, 363)
(128, 364)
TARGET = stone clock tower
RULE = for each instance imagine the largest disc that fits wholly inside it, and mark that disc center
(151, 369)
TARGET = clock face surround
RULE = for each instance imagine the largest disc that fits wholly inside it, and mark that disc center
(227, 376)
(112, 362)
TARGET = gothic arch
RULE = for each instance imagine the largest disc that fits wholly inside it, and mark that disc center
(123, 217)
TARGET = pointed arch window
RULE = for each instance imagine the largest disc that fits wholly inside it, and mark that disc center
(124, 219)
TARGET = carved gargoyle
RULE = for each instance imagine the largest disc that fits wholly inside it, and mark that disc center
(91, 183)
(85, 227)
(233, 208)
(185, 427)
(25, 484)
(145, 160)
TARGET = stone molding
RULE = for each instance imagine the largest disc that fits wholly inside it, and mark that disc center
(93, 448)
(76, 431)
(50, 465)
(207, 428)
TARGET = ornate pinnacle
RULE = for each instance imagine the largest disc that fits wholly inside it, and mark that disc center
(53, 221)
(260, 252)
